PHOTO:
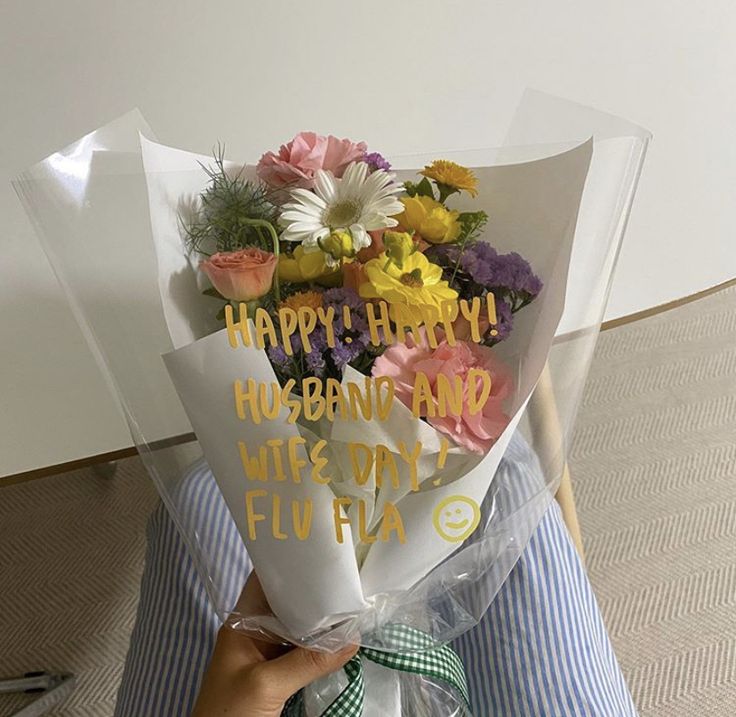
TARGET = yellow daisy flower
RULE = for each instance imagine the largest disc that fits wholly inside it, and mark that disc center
(310, 299)
(452, 175)
(416, 284)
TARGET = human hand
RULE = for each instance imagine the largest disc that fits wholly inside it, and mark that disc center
(248, 677)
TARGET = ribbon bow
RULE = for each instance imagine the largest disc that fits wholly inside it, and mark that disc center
(416, 652)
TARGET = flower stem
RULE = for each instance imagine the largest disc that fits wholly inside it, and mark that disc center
(470, 230)
(445, 192)
(459, 256)
(257, 223)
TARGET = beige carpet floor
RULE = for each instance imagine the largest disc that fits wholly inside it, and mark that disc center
(654, 468)
(71, 555)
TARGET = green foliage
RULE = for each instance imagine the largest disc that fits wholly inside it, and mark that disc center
(410, 188)
(472, 224)
(445, 191)
(425, 189)
(222, 219)
(421, 189)
(214, 293)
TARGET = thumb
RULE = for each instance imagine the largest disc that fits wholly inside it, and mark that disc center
(298, 667)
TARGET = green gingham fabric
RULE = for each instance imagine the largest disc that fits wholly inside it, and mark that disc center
(416, 653)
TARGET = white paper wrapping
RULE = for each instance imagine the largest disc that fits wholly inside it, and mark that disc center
(304, 596)
(533, 207)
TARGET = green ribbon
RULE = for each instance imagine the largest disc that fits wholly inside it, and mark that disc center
(416, 652)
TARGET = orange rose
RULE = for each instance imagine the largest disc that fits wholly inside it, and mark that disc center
(241, 275)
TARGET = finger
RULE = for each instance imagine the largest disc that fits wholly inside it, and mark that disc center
(298, 667)
(250, 607)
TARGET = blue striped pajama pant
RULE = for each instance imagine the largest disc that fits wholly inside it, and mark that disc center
(541, 649)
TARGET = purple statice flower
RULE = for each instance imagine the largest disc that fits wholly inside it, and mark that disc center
(507, 275)
(512, 272)
(504, 321)
(278, 356)
(375, 161)
(358, 334)
(344, 353)
(315, 359)
(478, 261)
(323, 361)
(337, 298)
(481, 270)
(444, 254)
(342, 295)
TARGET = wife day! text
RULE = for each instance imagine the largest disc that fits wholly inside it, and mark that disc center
(280, 460)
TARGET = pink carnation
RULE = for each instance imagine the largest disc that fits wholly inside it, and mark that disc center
(478, 431)
(297, 162)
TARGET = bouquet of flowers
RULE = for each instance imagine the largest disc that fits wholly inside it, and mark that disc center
(349, 235)
(350, 348)
(357, 403)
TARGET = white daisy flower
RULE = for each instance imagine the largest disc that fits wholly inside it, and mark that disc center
(358, 202)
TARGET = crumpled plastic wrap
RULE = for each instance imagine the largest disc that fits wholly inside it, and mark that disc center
(559, 192)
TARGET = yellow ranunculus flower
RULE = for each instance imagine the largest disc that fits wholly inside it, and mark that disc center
(452, 175)
(399, 246)
(300, 267)
(418, 283)
(338, 245)
(430, 219)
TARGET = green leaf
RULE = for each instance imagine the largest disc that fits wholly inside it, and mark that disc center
(446, 191)
(425, 189)
(214, 293)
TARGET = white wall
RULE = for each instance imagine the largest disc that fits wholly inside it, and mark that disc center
(405, 76)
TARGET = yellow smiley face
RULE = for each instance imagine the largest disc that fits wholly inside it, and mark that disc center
(455, 518)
